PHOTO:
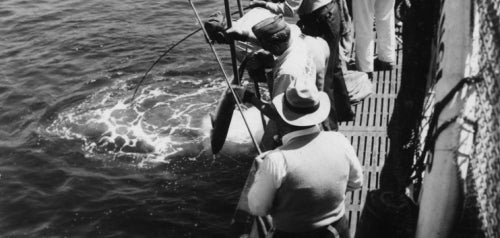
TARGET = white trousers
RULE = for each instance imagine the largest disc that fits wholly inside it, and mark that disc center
(364, 11)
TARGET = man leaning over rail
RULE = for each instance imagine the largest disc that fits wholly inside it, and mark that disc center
(302, 184)
(242, 31)
(293, 62)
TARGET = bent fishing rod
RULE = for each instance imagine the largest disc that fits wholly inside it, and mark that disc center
(167, 51)
(226, 78)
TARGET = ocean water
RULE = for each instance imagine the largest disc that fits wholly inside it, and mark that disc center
(76, 160)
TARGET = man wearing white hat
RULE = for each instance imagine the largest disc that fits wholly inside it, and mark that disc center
(302, 184)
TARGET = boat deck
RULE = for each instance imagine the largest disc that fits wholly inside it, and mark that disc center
(368, 134)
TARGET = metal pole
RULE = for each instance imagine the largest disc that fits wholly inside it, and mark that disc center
(232, 45)
(240, 8)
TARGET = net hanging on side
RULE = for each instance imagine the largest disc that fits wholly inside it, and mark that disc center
(483, 181)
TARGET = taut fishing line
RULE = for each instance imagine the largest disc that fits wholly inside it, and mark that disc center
(165, 53)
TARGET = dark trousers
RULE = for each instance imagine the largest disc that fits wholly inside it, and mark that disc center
(338, 229)
(325, 22)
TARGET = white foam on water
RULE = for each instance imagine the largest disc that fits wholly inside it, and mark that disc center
(160, 124)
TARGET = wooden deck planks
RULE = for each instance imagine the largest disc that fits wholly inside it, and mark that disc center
(368, 136)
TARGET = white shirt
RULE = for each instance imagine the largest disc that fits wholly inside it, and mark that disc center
(291, 7)
(296, 63)
(250, 19)
(272, 170)
(312, 49)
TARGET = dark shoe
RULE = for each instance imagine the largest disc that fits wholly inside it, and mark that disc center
(380, 65)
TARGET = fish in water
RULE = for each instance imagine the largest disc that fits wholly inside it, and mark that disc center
(238, 139)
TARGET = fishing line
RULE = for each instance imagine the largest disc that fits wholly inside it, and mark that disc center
(166, 52)
(236, 99)
(158, 60)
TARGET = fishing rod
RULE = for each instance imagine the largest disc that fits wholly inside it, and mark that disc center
(168, 50)
(236, 99)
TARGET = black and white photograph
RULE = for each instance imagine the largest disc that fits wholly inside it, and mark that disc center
(250, 118)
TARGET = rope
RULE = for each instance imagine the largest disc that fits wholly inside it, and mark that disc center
(432, 137)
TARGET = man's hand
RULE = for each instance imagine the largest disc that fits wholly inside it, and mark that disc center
(260, 158)
(215, 28)
(257, 3)
(236, 34)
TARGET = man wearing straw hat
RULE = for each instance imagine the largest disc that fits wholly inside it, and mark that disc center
(302, 184)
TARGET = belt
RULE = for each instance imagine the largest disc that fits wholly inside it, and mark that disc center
(313, 16)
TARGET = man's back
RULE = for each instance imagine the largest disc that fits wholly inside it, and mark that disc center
(319, 169)
(306, 58)
(320, 52)
(295, 63)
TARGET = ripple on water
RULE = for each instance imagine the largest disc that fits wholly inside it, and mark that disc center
(76, 161)
(6, 13)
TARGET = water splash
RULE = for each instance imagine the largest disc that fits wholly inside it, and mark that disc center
(166, 120)
(163, 121)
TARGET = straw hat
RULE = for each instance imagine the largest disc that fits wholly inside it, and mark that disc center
(302, 104)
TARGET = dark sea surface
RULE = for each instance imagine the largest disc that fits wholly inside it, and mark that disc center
(75, 159)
